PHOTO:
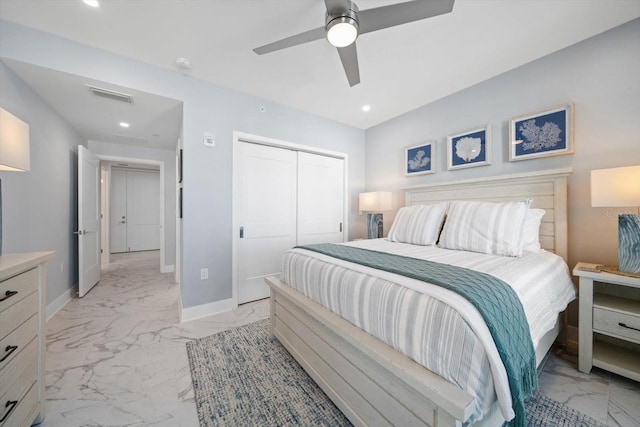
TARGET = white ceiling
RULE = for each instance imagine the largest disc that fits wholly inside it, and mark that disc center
(401, 68)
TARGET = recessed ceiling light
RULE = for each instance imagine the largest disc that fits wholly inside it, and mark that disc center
(366, 107)
(124, 124)
(92, 3)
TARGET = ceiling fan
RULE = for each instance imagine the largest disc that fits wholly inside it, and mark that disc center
(344, 22)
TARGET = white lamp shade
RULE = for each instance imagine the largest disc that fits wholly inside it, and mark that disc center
(616, 187)
(14, 143)
(375, 201)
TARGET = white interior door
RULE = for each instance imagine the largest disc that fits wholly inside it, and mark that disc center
(118, 211)
(88, 220)
(320, 199)
(267, 215)
(143, 211)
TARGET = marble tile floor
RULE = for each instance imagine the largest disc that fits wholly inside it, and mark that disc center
(117, 357)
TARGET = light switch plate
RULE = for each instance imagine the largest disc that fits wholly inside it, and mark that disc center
(209, 139)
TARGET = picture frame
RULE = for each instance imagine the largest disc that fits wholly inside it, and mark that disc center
(469, 149)
(542, 134)
(419, 159)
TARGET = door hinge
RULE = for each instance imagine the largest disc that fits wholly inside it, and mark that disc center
(341, 227)
(101, 251)
(242, 232)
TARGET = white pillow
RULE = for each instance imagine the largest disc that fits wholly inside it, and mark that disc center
(531, 231)
(419, 224)
(491, 228)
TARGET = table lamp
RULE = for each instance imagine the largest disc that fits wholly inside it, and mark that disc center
(14, 149)
(374, 203)
(620, 187)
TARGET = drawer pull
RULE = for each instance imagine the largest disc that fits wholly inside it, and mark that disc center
(8, 295)
(9, 349)
(11, 404)
(624, 325)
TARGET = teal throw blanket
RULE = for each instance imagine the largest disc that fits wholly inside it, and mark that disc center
(496, 301)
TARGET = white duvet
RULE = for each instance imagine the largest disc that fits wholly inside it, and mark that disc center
(541, 280)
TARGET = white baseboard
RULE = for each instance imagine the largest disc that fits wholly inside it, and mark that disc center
(167, 268)
(57, 304)
(204, 310)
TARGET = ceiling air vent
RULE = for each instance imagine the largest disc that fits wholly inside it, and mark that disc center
(110, 94)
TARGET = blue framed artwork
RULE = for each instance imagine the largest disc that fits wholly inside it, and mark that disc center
(419, 159)
(469, 149)
(542, 134)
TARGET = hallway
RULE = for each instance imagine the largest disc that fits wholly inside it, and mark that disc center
(117, 356)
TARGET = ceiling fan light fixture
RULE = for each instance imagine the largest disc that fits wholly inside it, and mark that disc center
(342, 31)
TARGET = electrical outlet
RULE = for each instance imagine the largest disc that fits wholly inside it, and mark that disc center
(204, 273)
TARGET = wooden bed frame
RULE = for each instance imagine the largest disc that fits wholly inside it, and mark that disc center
(372, 383)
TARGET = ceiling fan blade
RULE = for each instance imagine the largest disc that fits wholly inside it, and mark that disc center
(349, 58)
(306, 37)
(336, 6)
(401, 13)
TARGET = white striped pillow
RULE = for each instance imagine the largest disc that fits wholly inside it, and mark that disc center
(419, 224)
(491, 228)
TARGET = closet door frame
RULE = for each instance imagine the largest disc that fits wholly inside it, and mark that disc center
(240, 137)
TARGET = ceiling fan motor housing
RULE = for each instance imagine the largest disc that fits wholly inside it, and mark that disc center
(344, 22)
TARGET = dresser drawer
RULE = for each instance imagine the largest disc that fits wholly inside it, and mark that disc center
(23, 412)
(17, 314)
(18, 376)
(16, 341)
(23, 284)
(610, 322)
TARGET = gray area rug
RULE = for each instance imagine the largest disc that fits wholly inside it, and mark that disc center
(243, 378)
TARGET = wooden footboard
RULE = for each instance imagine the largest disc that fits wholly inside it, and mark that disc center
(370, 382)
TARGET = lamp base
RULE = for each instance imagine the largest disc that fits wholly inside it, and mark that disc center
(629, 243)
(374, 225)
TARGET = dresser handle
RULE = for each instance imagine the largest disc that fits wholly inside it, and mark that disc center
(9, 349)
(8, 295)
(624, 325)
(11, 404)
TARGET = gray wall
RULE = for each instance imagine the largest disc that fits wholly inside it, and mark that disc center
(39, 206)
(599, 75)
(207, 175)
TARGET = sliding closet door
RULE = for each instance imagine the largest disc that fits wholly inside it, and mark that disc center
(320, 199)
(266, 214)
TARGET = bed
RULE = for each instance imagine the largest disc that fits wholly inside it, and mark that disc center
(374, 383)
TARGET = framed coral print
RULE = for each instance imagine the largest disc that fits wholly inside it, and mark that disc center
(542, 134)
(469, 149)
(419, 159)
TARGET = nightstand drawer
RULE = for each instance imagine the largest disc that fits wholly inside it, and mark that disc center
(612, 322)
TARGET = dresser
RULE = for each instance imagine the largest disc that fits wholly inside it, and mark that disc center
(609, 322)
(22, 338)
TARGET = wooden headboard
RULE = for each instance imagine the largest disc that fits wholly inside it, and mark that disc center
(546, 189)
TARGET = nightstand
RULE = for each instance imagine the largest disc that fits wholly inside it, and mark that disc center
(609, 323)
